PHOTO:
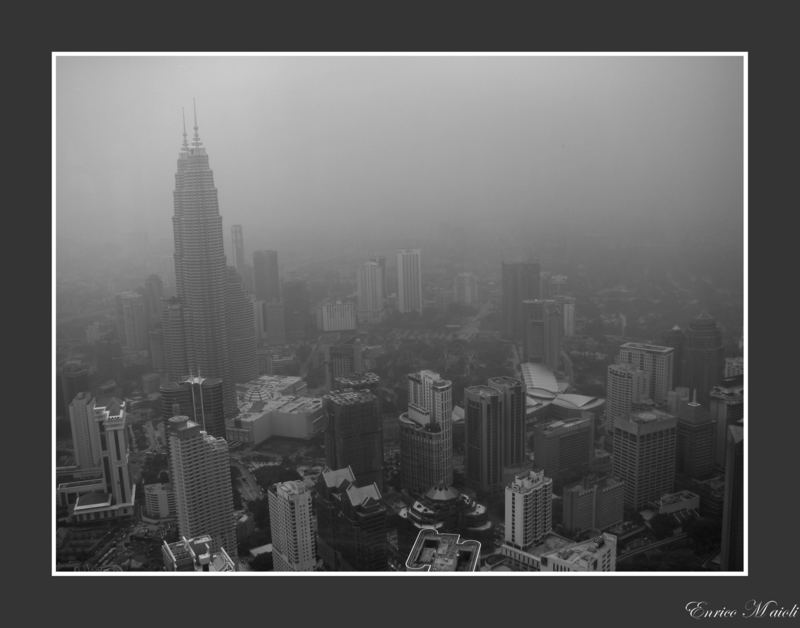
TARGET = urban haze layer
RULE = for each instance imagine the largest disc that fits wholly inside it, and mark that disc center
(500, 327)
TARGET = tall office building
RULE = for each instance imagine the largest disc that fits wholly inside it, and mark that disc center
(267, 286)
(351, 523)
(199, 398)
(726, 407)
(483, 446)
(542, 326)
(626, 385)
(512, 391)
(241, 329)
(200, 273)
(695, 441)
(371, 289)
(563, 448)
(154, 299)
(336, 316)
(409, 280)
(200, 473)
(644, 455)
(132, 321)
(529, 509)
(426, 433)
(274, 322)
(291, 521)
(520, 282)
(297, 309)
(656, 361)
(354, 434)
(705, 356)
(676, 339)
(732, 557)
(344, 359)
(593, 504)
(465, 289)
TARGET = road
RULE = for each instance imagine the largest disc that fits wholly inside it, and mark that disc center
(645, 548)
(248, 487)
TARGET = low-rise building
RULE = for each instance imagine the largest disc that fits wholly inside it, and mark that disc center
(433, 551)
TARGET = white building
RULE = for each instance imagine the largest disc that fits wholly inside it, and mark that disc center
(626, 385)
(529, 509)
(409, 280)
(292, 525)
(654, 360)
(336, 316)
(597, 554)
(160, 501)
(568, 311)
(201, 476)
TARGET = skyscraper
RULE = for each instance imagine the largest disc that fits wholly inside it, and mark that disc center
(200, 272)
(200, 472)
(426, 433)
(644, 455)
(563, 449)
(240, 322)
(676, 339)
(265, 276)
(409, 280)
(351, 523)
(465, 289)
(483, 445)
(656, 361)
(732, 557)
(132, 321)
(371, 291)
(726, 406)
(529, 509)
(512, 392)
(705, 356)
(695, 441)
(81, 419)
(354, 434)
(291, 522)
(297, 309)
(542, 326)
(199, 398)
(520, 283)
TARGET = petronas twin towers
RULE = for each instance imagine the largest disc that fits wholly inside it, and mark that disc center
(208, 328)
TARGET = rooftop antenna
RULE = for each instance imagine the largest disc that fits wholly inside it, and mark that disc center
(196, 138)
(185, 141)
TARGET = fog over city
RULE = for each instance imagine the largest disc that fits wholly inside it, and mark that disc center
(320, 157)
(399, 313)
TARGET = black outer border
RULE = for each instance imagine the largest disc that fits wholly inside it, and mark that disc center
(446, 26)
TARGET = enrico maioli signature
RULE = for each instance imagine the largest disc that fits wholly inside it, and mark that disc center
(755, 609)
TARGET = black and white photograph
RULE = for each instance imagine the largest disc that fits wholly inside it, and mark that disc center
(401, 314)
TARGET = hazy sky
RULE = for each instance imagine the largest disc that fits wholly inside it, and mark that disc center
(305, 148)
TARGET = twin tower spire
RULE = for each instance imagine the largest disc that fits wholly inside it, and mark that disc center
(196, 143)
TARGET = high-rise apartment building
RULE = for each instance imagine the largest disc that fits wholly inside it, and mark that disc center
(568, 312)
(520, 282)
(351, 523)
(132, 321)
(529, 509)
(200, 473)
(371, 286)
(199, 398)
(200, 274)
(291, 521)
(354, 434)
(644, 455)
(267, 286)
(81, 420)
(409, 280)
(656, 361)
(426, 433)
(626, 385)
(705, 356)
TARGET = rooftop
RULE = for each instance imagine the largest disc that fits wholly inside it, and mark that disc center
(647, 347)
(349, 397)
(334, 478)
(433, 551)
(92, 500)
(536, 375)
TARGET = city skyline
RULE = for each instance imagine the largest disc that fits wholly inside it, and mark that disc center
(485, 168)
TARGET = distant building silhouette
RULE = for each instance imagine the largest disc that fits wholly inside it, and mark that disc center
(266, 278)
(705, 356)
(520, 282)
(371, 287)
(409, 280)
